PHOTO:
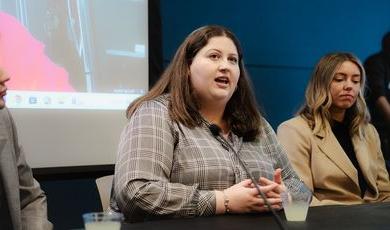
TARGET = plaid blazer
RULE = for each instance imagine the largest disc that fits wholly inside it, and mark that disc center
(164, 168)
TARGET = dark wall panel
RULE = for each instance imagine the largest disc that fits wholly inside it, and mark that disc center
(283, 86)
(282, 40)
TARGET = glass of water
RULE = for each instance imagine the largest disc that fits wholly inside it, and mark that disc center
(296, 204)
(102, 220)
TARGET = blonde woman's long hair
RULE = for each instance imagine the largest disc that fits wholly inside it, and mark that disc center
(318, 99)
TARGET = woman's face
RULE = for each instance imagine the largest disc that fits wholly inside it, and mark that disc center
(214, 71)
(345, 86)
(3, 88)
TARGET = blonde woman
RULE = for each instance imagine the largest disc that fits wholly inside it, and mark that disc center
(331, 144)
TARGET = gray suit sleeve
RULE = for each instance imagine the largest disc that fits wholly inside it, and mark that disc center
(33, 202)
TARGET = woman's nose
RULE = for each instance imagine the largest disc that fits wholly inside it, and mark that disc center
(224, 65)
(348, 85)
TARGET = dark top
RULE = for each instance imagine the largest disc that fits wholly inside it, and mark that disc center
(378, 81)
(341, 131)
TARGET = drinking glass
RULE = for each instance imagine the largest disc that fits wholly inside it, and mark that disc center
(296, 204)
(102, 220)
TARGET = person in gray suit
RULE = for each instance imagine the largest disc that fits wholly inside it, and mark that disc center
(22, 202)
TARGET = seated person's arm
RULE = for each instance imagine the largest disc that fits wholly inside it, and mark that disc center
(298, 149)
(289, 176)
(376, 72)
(384, 106)
(382, 179)
(32, 198)
(143, 169)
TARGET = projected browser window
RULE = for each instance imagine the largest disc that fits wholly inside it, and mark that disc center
(74, 54)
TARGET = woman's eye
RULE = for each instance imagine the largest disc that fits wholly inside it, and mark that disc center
(214, 56)
(356, 80)
(233, 59)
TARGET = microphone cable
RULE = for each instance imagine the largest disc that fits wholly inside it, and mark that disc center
(215, 131)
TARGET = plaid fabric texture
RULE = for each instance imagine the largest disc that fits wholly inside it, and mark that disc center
(166, 169)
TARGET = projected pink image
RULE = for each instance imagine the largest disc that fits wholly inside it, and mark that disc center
(23, 58)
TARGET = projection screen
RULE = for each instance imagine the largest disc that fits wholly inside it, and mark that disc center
(75, 65)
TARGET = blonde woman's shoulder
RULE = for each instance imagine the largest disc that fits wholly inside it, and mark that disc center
(297, 122)
(371, 131)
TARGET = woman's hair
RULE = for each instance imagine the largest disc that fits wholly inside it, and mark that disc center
(319, 100)
(386, 42)
(241, 112)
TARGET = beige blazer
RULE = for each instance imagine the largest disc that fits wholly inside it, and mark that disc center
(325, 168)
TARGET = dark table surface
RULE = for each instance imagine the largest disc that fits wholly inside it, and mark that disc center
(365, 216)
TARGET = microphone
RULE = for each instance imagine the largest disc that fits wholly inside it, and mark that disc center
(215, 131)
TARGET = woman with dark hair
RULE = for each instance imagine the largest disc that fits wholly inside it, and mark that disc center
(331, 144)
(171, 162)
